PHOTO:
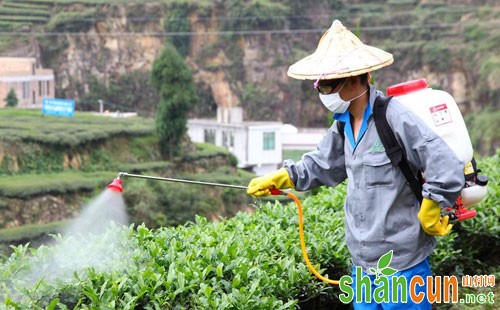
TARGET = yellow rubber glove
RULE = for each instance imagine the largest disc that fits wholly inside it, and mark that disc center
(431, 220)
(278, 179)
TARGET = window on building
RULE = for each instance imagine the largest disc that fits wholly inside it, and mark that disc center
(227, 139)
(26, 90)
(40, 93)
(209, 136)
(269, 142)
(48, 88)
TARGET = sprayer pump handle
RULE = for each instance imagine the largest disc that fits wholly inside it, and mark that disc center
(276, 191)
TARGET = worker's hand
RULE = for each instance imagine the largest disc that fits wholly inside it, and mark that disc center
(431, 220)
(278, 179)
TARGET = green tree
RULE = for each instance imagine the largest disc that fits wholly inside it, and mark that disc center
(11, 98)
(174, 82)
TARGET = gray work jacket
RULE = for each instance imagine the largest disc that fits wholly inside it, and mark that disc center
(380, 208)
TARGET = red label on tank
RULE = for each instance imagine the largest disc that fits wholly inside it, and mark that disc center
(440, 114)
(438, 108)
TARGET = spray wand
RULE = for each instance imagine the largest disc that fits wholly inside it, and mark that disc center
(116, 186)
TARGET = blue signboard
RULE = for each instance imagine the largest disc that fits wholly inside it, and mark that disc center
(59, 107)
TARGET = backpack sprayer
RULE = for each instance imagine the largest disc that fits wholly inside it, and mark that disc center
(439, 110)
(116, 186)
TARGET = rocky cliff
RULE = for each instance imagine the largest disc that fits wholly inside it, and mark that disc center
(241, 60)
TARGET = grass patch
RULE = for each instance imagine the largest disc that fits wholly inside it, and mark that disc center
(31, 126)
(294, 155)
(23, 186)
(85, 2)
(30, 231)
(12, 4)
(22, 11)
(9, 25)
(28, 19)
(73, 21)
(207, 150)
(147, 166)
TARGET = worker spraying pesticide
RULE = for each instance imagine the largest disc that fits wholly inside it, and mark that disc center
(382, 148)
(382, 212)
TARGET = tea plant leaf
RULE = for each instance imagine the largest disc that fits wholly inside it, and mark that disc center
(236, 281)
(208, 290)
(90, 292)
(181, 280)
(53, 304)
(218, 270)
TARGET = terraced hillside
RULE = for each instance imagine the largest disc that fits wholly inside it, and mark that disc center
(239, 51)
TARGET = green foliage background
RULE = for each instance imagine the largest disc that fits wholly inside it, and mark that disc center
(250, 261)
(174, 82)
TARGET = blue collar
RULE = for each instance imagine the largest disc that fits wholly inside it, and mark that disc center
(348, 132)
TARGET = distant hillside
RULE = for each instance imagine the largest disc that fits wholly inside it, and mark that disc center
(239, 51)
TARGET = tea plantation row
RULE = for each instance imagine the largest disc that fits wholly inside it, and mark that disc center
(251, 261)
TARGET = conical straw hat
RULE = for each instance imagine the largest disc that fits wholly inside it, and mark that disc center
(339, 54)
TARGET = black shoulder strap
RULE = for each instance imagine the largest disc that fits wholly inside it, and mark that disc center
(394, 151)
(340, 127)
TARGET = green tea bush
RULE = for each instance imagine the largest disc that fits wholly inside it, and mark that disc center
(247, 262)
(251, 261)
(30, 126)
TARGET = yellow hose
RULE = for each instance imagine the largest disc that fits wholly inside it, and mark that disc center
(303, 243)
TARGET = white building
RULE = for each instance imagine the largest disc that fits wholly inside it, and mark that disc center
(256, 145)
(303, 139)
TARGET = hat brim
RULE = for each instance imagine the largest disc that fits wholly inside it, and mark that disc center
(339, 54)
(362, 60)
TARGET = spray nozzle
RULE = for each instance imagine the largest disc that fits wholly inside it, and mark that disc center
(116, 185)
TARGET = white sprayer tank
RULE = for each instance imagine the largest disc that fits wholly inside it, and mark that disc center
(440, 112)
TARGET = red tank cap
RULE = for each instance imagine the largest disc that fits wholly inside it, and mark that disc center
(406, 87)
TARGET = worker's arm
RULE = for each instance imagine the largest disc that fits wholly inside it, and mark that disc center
(323, 166)
(426, 151)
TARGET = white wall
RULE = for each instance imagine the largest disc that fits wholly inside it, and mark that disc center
(256, 153)
(248, 142)
(303, 138)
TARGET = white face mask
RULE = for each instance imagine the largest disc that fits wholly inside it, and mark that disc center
(334, 103)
